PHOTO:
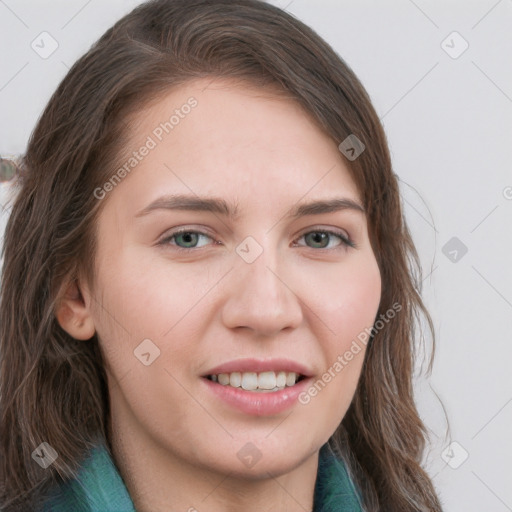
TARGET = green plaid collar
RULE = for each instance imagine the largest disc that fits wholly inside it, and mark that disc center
(99, 487)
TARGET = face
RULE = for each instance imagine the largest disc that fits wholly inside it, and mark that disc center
(196, 303)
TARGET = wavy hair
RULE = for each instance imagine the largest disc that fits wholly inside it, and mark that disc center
(53, 387)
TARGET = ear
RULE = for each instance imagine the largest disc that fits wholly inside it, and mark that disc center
(73, 314)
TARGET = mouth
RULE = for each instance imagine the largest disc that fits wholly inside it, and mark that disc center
(258, 387)
(258, 382)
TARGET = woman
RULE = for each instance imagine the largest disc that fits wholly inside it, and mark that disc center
(209, 293)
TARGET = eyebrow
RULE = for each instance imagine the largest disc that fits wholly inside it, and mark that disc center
(221, 207)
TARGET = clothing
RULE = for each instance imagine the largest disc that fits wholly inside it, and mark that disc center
(99, 487)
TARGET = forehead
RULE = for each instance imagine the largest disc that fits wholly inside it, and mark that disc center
(222, 137)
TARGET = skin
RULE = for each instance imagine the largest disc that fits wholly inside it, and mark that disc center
(175, 446)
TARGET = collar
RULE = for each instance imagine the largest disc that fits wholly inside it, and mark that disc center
(100, 487)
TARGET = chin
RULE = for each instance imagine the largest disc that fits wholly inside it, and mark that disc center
(257, 459)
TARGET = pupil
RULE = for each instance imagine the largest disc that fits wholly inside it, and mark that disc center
(188, 237)
(318, 237)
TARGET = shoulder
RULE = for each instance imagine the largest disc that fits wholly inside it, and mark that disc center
(334, 489)
(98, 487)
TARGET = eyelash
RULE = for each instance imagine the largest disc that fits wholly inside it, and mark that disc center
(346, 242)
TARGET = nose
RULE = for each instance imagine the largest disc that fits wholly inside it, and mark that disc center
(261, 298)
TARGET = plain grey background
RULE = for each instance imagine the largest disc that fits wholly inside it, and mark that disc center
(439, 74)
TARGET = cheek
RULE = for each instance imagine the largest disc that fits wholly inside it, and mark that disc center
(346, 312)
(144, 309)
(151, 296)
(359, 302)
(346, 299)
(348, 309)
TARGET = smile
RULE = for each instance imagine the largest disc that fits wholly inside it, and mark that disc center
(263, 382)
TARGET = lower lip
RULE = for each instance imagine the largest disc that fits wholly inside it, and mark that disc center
(258, 403)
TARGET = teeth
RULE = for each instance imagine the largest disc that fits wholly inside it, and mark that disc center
(223, 378)
(252, 381)
(290, 379)
(235, 379)
(282, 379)
(249, 380)
(267, 380)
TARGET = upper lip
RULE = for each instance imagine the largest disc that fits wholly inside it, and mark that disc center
(260, 365)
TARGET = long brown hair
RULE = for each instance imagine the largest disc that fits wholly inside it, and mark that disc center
(53, 387)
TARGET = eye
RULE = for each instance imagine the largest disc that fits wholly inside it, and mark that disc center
(187, 237)
(321, 238)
